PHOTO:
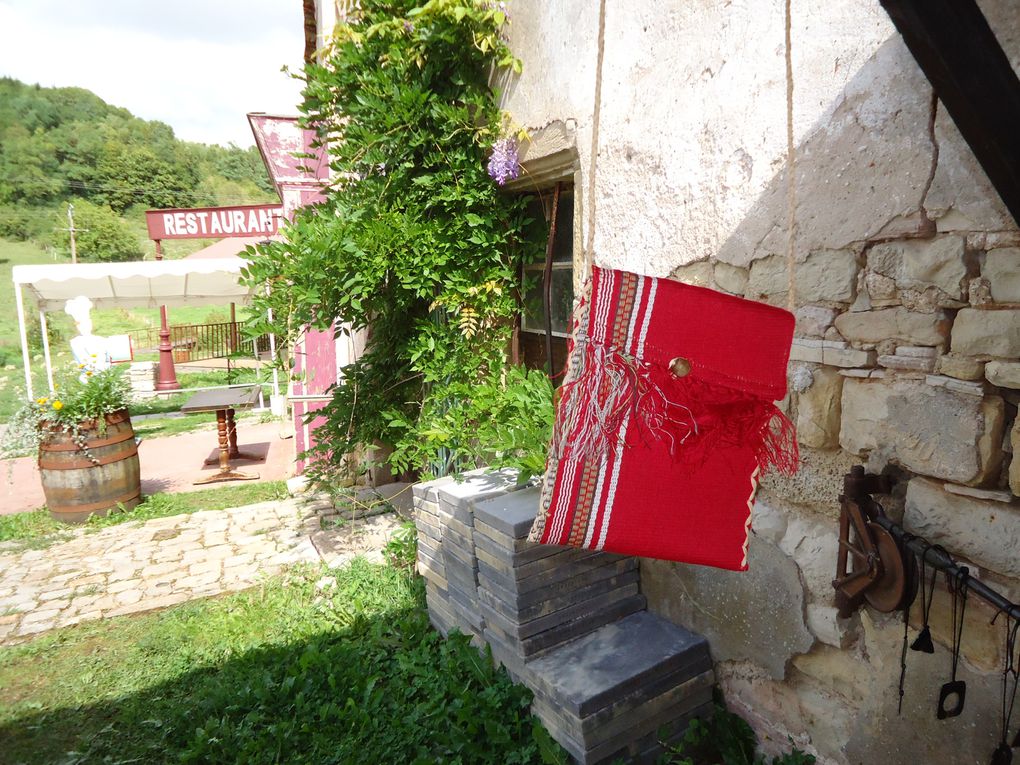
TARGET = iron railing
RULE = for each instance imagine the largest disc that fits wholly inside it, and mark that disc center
(198, 342)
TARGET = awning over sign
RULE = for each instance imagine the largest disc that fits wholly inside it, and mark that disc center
(142, 284)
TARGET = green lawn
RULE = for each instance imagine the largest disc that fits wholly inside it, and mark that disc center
(37, 529)
(293, 671)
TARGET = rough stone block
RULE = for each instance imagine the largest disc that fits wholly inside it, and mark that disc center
(818, 410)
(918, 263)
(958, 386)
(1002, 270)
(994, 495)
(987, 333)
(983, 531)
(813, 320)
(906, 363)
(698, 274)
(960, 366)
(831, 353)
(898, 324)
(929, 430)
(769, 598)
(824, 276)
(731, 278)
(1014, 465)
(1005, 374)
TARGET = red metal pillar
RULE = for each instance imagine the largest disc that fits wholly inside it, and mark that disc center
(167, 378)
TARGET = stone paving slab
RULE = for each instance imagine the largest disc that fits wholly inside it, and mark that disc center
(135, 567)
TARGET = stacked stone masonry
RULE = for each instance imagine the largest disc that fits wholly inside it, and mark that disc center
(907, 302)
(609, 678)
(906, 358)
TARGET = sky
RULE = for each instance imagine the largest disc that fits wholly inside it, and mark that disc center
(198, 65)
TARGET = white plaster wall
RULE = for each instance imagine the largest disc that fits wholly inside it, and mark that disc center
(692, 154)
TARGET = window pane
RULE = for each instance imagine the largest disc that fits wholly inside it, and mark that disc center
(563, 246)
(562, 300)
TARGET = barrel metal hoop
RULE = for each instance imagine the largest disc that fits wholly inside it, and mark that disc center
(47, 464)
(120, 438)
(102, 504)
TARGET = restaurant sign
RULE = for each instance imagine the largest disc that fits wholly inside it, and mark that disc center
(214, 222)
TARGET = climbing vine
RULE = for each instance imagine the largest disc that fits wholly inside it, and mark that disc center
(415, 243)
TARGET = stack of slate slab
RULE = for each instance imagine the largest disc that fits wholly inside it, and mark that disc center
(431, 563)
(608, 676)
(446, 509)
(611, 694)
(536, 597)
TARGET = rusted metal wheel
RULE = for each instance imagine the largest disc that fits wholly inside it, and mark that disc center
(889, 591)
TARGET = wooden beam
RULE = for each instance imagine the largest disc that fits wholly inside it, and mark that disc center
(972, 76)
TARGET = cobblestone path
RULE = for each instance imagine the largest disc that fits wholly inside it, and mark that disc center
(135, 567)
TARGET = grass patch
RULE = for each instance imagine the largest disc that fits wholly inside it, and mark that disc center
(292, 671)
(36, 529)
(112, 321)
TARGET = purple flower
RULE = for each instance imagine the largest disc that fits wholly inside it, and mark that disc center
(504, 164)
(408, 26)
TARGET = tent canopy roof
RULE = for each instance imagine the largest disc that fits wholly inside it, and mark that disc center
(140, 284)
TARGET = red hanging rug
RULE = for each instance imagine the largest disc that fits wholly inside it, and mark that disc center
(665, 421)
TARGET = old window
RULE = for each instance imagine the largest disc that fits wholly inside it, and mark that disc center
(532, 343)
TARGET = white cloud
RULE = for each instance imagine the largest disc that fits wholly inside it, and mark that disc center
(198, 66)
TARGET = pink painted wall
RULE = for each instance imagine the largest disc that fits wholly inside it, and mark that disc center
(300, 181)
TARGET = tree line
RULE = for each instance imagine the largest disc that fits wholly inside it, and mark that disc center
(60, 145)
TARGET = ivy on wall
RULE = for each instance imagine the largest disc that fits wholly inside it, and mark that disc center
(415, 244)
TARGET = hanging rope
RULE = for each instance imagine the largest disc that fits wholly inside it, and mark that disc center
(791, 184)
(597, 113)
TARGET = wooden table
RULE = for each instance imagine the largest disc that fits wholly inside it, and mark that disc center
(224, 401)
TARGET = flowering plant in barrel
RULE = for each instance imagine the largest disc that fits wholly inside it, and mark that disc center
(88, 459)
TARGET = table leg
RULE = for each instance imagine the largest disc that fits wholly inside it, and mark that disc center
(225, 473)
(232, 451)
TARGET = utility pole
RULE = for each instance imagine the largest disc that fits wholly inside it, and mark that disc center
(72, 229)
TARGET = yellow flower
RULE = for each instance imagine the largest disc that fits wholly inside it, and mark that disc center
(58, 405)
(88, 373)
(41, 401)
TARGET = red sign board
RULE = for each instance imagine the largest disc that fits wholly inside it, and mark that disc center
(214, 222)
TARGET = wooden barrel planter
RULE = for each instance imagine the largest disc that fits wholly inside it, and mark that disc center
(77, 487)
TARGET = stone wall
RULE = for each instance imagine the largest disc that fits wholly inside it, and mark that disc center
(907, 349)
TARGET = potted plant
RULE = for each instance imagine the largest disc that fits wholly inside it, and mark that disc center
(88, 458)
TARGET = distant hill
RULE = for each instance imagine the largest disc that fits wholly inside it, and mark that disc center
(60, 145)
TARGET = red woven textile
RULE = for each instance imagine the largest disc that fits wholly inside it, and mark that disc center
(644, 462)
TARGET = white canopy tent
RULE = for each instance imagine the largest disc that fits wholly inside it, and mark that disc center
(138, 284)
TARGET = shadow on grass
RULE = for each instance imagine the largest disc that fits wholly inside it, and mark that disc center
(385, 689)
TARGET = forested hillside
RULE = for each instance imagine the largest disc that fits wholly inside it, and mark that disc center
(60, 145)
